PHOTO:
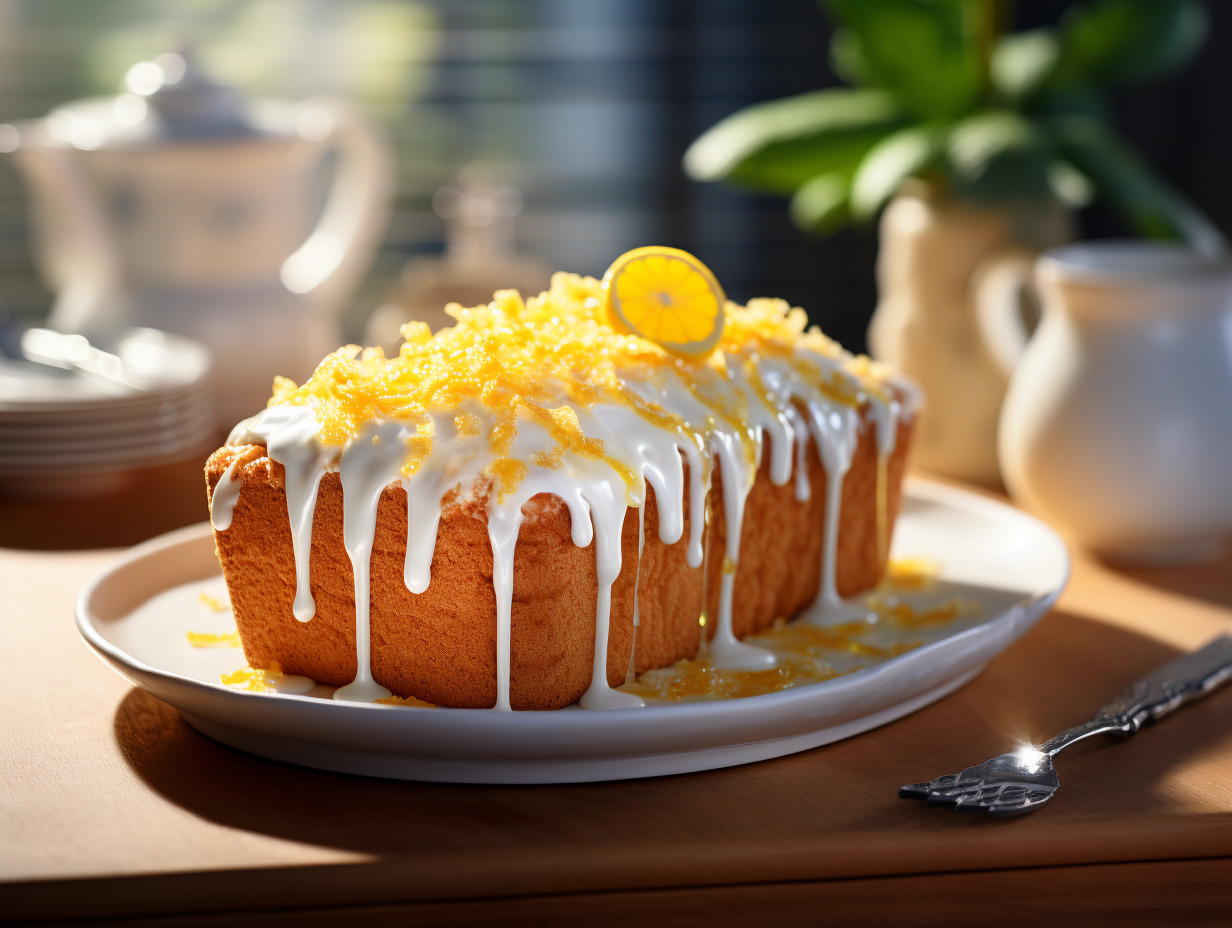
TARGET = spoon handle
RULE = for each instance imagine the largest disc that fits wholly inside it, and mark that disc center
(1164, 689)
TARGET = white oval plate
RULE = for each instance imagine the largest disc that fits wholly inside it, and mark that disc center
(136, 616)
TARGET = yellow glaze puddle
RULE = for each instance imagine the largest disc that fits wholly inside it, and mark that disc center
(906, 615)
(814, 653)
(406, 701)
(816, 641)
(696, 679)
(911, 573)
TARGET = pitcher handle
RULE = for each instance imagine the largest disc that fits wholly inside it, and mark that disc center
(329, 264)
(1006, 304)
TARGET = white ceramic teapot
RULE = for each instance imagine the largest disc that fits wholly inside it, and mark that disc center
(181, 206)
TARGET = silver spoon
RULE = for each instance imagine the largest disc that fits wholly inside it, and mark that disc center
(1024, 780)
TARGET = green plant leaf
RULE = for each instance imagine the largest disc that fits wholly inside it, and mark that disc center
(1022, 63)
(848, 61)
(777, 146)
(1152, 206)
(924, 50)
(820, 205)
(1115, 40)
(1070, 101)
(1070, 185)
(891, 161)
(998, 155)
(977, 140)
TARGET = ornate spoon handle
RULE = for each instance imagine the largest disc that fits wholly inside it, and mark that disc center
(1155, 695)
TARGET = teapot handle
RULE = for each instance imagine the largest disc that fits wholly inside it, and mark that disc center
(329, 264)
(71, 239)
(1006, 304)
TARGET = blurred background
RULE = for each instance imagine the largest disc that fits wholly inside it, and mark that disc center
(585, 107)
(259, 181)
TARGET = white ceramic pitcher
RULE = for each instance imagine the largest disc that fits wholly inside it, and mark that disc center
(181, 206)
(1117, 424)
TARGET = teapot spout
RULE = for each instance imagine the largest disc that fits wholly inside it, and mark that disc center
(71, 243)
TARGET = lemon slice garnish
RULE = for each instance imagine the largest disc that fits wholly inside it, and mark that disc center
(667, 296)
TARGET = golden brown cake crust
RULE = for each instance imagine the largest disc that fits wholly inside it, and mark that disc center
(440, 645)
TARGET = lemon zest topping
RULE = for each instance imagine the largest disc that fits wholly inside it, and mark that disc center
(213, 603)
(419, 446)
(467, 423)
(550, 460)
(551, 357)
(254, 680)
(212, 640)
(508, 472)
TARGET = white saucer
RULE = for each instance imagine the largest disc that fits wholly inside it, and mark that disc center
(171, 363)
(137, 614)
(72, 433)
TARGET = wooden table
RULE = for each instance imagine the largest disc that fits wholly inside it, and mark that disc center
(112, 809)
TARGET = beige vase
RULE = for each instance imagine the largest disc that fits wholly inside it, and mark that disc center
(947, 274)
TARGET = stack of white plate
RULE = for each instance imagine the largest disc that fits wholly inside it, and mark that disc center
(61, 430)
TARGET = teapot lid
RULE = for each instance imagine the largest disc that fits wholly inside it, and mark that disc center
(186, 101)
(167, 99)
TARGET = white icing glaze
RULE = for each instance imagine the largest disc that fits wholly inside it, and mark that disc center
(637, 588)
(699, 486)
(800, 431)
(836, 432)
(726, 651)
(303, 465)
(222, 502)
(503, 526)
(290, 436)
(423, 518)
(607, 509)
(758, 400)
(366, 470)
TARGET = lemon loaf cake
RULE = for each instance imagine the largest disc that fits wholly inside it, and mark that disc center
(527, 508)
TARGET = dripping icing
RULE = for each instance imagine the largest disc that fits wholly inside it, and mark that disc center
(726, 650)
(365, 472)
(631, 672)
(222, 501)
